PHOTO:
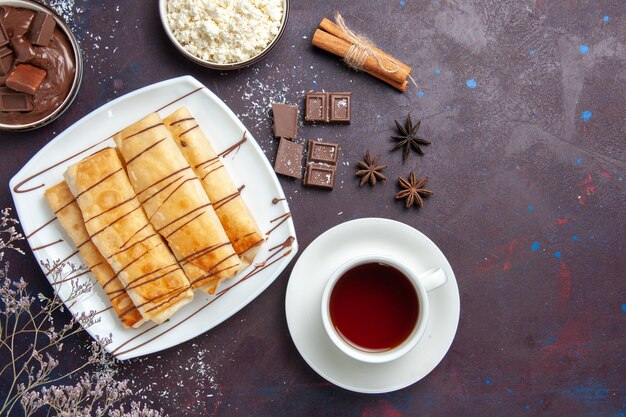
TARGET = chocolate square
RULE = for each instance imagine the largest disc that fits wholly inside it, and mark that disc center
(285, 120)
(289, 159)
(23, 49)
(26, 78)
(323, 152)
(4, 38)
(316, 107)
(6, 60)
(13, 101)
(320, 176)
(42, 28)
(339, 105)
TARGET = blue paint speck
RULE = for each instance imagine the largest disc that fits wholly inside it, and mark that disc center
(471, 83)
(487, 382)
(557, 255)
(584, 49)
(534, 246)
(420, 94)
(623, 308)
(531, 208)
(606, 19)
(590, 392)
(585, 116)
(550, 340)
(402, 3)
(574, 237)
(527, 407)
(532, 52)
(437, 71)
(579, 161)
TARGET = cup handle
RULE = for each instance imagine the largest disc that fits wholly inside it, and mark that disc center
(433, 278)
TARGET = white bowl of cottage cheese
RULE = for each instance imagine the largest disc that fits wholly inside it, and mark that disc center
(224, 34)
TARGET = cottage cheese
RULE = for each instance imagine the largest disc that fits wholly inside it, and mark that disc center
(225, 31)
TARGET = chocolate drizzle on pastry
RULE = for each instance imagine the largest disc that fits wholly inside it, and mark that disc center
(283, 218)
(276, 254)
(169, 184)
(277, 200)
(46, 245)
(18, 187)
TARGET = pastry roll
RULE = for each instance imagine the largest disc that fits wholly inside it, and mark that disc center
(122, 233)
(240, 226)
(176, 204)
(67, 211)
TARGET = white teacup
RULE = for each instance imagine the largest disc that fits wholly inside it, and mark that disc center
(422, 282)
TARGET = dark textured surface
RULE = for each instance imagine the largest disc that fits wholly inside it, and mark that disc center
(525, 104)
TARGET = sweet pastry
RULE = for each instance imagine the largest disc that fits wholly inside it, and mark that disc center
(120, 229)
(70, 217)
(238, 222)
(176, 204)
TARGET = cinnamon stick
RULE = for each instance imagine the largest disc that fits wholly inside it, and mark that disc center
(398, 86)
(381, 76)
(340, 47)
(334, 29)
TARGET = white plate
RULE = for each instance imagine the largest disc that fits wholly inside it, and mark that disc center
(304, 295)
(247, 166)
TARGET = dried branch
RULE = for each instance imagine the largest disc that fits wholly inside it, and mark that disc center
(30, 339)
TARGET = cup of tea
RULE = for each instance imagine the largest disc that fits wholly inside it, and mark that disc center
(375, 308)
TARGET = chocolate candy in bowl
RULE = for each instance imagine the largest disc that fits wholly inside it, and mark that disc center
(224, 34)
(40, 65)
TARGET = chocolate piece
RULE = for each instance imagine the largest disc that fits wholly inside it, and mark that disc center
(4, 38)
(11, 101)
(26, 78)
(320, 176)
(322, 152)
(339, 107)
(316, 107)
(285, 120)
(321, 164)
(42, 28)
(289, 159)
(327, 107)
(24, 50)
(6, 60)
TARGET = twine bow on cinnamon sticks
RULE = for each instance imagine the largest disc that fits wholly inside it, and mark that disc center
(360, 53)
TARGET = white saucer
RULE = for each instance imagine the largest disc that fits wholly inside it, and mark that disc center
(304, 294)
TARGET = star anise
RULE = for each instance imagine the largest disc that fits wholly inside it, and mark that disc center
(370, 170)
(413, 190)
(408, 138)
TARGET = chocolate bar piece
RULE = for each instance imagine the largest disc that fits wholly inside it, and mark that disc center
(339, 107)
(285, 120)
(6, 60)
(322, 152)
(327, 107)
(4, 38)
(13, 101)
(321, 164)
(26, 78)
(24, 50)
(320, 176)
(316, 107)
(289, 159)
(42, 28)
